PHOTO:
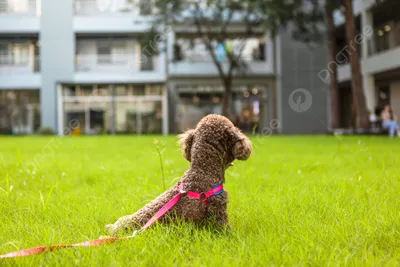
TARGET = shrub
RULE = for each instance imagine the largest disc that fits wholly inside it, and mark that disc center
(46, 131)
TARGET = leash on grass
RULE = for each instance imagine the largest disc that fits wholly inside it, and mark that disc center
(216, 190)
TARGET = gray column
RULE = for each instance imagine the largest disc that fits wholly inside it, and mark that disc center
(367, 22)
(367, 25)
(57, 49)
(113, 109)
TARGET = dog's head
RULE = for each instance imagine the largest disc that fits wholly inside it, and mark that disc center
(217, 134)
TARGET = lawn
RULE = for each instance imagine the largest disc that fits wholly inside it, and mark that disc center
(297, 201)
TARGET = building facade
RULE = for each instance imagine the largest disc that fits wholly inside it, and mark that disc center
(83, 60)
(378, 25)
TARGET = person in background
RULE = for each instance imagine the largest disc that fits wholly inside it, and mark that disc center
(389, 121)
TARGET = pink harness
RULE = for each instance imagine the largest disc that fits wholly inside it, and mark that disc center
(216, 190)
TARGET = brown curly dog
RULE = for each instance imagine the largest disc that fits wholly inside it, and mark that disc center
(210, 148)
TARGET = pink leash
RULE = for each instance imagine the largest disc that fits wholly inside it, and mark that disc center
(216, 190)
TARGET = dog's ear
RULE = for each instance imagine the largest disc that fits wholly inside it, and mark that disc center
(242, 148)
(186, 141)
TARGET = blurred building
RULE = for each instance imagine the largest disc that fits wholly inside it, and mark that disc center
(82, 60)
(378, 24)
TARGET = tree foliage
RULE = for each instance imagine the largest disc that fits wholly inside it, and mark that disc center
(214, 21)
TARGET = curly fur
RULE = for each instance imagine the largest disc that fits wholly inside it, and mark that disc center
(210, 148)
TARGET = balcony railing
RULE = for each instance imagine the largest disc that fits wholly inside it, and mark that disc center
(195, 51)
(204, 57)
(110, 63)
(20, 7)
(10, 64)
(93, 7)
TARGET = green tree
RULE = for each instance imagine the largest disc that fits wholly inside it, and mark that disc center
(356, 76)
(359, 102)
(213, 21)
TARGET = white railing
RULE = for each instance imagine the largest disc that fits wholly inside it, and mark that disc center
(20, 7)
(108, 63)
(93, 7)
(16, 65)
(195, 51)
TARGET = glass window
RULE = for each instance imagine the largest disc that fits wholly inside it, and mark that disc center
(146, 60)
(194, 104)
(15, 53)
(383, 96)
(103, 53)
(19, 111)
(150, 117)
(138, 90)
(145, 7)
(382, 38)
(193, 107)
(69, 90)
(138, 117)
(118, 51)
(97, 114)
(153, 90)
(120, 90)
(85, 90)
(195, 49)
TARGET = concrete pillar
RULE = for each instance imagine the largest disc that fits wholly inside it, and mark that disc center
(111, 89)
(269, 51)
(170, 44)
(164, 106)
(369, 91)
(395, 97)
(367, 25)
(57, 52)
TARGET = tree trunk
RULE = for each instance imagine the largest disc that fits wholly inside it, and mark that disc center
(356, 81)
(227, 98)
(332, 49)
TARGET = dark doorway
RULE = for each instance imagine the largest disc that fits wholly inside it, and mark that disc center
(345, 107)
(97, 120)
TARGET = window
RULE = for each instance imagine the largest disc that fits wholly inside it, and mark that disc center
(153, 90)
(383, 38)
(111, 52)
(17, 6)
(120, 90)
(146, 60)
(3, 6)
(138, 90)
(103, 53)
(145, 7)
(118, 52)
(383, 96)
(251, 49)
(69, 90)
(397, 33)
(20, 54)
(4, 54)
(14, 53)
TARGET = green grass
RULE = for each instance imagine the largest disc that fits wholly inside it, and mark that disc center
(297, 201)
